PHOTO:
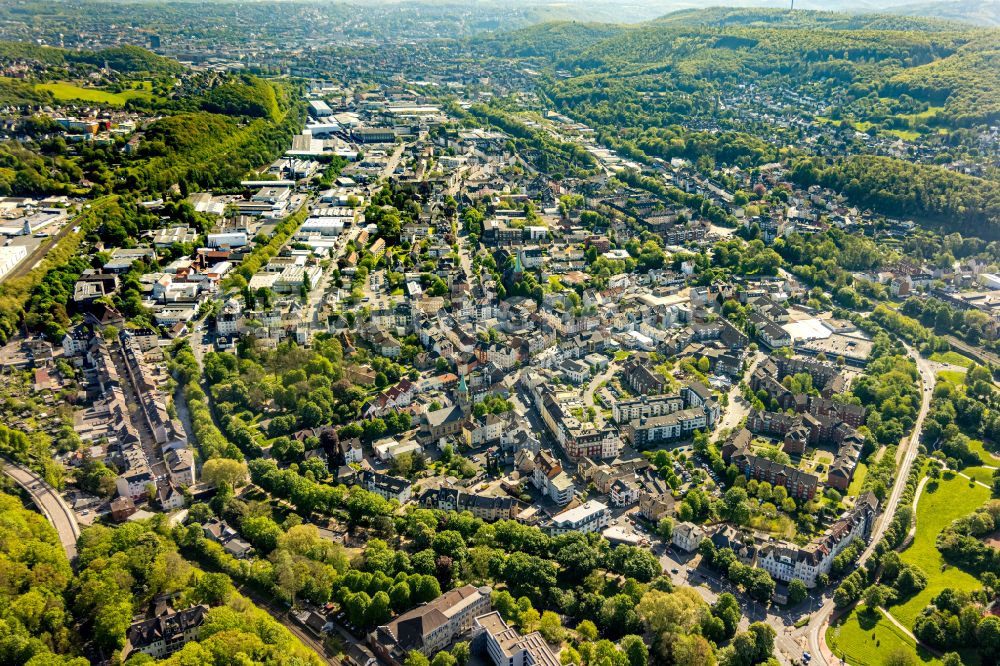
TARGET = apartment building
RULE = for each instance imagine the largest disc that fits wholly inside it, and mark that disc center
(430, 628)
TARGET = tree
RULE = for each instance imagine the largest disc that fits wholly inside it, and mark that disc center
(727, 609)
(399, 597)
(224, 470)
(587, 630)
(414, 658)
(900, 656)
(443, 658)
(426, 589)
(875, 596)
(665, 528)
(461, 652)
(449, 543)
(988, 636)
(550, 627)
(635, 649)
(797, 592)
(213, 588)
(378, 611)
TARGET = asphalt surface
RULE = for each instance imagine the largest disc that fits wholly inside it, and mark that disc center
(816, 629)
(49, 502)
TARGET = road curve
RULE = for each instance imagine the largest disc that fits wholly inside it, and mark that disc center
(49, 502)
(817, 626)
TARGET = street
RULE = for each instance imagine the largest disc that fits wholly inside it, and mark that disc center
(50, 502)
(816, 628)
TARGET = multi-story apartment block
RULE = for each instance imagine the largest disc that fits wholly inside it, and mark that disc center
(166, 633)
(591, 516)
(485, 507)
(506, 647)
(430, 628)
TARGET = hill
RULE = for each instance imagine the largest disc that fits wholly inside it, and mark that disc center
(548, 40)
(783, 18)
(128, 60)
(123, 59)
(975, 12)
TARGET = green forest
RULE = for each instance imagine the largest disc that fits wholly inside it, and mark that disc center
(900, 188)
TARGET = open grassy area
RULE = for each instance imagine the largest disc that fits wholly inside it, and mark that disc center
(905, 135)
(940, 503)
(864, 638)
(953, 358)
(980, 474)
(63, 90)
(988, 457)
(858, 481)
(952, 377)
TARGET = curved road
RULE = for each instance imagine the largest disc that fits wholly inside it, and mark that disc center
(49, 502)
(816, 628)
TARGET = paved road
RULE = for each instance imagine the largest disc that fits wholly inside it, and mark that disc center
(592, 386)
(739, 408)
(816, 629)
(49, 502)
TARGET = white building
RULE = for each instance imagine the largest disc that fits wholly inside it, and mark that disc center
(591, 516)
(319, 109)
(506, 647)
(688, 536)
(10, 257)
(228, 239)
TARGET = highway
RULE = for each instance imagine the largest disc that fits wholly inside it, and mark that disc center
(816, 629)
(49, 502)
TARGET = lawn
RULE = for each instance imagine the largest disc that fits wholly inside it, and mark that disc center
(864, 638)
(68, 91)
(858, 481)
(952, 377)
(940, 503)
(953, 358)
(987, 457)
(980, 474)
(905, 135)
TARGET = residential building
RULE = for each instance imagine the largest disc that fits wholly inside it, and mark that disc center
(166, 633)
(485, 507)
(591, 516)
(506, 647)
(430, 628)
(389, 487)
(688, 536)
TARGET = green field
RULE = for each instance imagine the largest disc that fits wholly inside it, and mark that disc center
(65, 91)
(939, 505)
(988, 457)
(858, 481)
(953, 358)
(980, 474)
(864, 638)
(952, 377)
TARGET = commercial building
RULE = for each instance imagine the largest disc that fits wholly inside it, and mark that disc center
(10, 257)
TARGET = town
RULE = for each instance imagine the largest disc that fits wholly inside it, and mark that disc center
(450, 374)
